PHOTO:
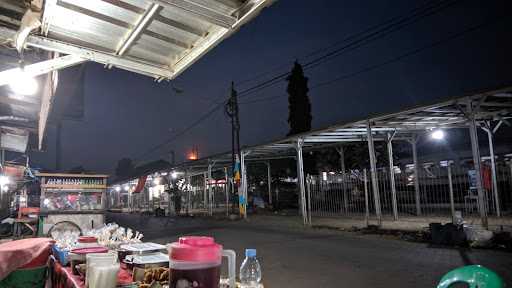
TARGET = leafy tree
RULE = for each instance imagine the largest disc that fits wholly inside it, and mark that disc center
(124, 167)
(299, 107)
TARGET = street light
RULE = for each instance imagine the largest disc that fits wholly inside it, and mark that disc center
(22, 83)
(174, 174)
(117, 188)
(126, 188)
(437, 134)
(4, 180)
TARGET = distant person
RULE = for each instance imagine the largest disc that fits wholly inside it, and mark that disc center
(177, 201)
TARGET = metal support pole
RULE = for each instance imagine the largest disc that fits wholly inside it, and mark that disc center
(226, 189)
(510, 166)
(373, 171)
(450, 186)
(309, 199)
(495, 191)
(473, 133)
(300, 180)
(210, 192)
(392, 177)
(188, 191)
(416, 176)
(205, 192)
(269, 183)
(341, 152)
(169, 198)
(366, 203)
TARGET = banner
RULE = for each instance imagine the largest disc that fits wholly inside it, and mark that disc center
(236, 171)
(140, 184)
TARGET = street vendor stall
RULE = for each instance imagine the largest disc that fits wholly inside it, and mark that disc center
(73, 199)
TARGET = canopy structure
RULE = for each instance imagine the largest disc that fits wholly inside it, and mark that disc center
(157, 38)
(493, 106)
(488, 110)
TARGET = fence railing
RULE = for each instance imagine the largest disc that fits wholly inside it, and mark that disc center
(441, 191)
(206, 197)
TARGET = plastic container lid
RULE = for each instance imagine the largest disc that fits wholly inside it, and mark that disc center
(195, 249)
(87, 239)
(250, 252)
(88, 250)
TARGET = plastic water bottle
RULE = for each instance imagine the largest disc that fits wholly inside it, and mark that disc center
(250, 271)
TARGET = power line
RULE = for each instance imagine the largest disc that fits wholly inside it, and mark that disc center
(424, 11)
(397, 24)
(387, 62)
(181, 133)
(317, 51)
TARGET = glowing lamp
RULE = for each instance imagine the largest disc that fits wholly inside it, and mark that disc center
(437, 134)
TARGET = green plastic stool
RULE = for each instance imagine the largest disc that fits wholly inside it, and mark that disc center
(473, 275)
(23, 278)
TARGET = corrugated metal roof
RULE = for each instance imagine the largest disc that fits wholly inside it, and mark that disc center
(494, 105)
(158, 38)
(166, 34)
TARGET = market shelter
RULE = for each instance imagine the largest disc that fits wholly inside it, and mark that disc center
(157, 38)
(383, 193)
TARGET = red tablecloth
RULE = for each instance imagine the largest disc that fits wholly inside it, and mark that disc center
(62, 277)
(25, 253)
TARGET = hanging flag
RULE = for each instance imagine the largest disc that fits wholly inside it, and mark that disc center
(140, 184)
(236, 171)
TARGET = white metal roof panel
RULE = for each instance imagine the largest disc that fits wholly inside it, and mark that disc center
(159, 34)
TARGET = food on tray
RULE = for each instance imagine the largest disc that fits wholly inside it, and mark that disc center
(154, 274)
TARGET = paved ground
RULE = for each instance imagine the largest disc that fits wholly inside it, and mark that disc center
(292, 256)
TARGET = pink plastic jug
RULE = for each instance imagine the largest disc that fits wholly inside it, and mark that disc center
(196, 262)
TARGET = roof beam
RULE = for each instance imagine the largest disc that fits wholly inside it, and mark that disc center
(90, 54)
(496, 104)
(180, 26)
(138, 29)
(41, 68)
(202, 12)
(14, 101)
(503, 95)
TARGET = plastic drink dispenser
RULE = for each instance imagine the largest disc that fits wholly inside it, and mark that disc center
(196, 262)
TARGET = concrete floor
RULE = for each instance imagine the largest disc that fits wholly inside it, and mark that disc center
(292, 256)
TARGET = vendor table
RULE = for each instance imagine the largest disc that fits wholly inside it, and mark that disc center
(62, 277)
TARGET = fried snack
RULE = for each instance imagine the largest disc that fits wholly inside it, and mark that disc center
(165, 275)
(156, 274)
(148, 277)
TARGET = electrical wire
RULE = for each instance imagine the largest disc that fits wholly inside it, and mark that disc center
(317, 51)
(181, 133)
(389, 27)
(360, 40)
(387, 62)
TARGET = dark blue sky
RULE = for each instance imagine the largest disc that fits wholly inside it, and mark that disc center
(126, 114)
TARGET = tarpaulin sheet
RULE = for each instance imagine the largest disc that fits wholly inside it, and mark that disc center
(25, 253)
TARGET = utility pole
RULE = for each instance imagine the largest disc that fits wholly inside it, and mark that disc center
(232, 111)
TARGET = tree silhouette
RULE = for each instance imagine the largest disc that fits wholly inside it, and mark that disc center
(299, 107)
(124, 167)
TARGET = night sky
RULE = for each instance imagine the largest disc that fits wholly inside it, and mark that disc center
(126, 114)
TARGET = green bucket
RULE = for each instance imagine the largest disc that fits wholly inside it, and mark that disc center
(23, 278)
(474, 276)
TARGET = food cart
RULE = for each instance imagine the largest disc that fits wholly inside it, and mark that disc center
(75, 198)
